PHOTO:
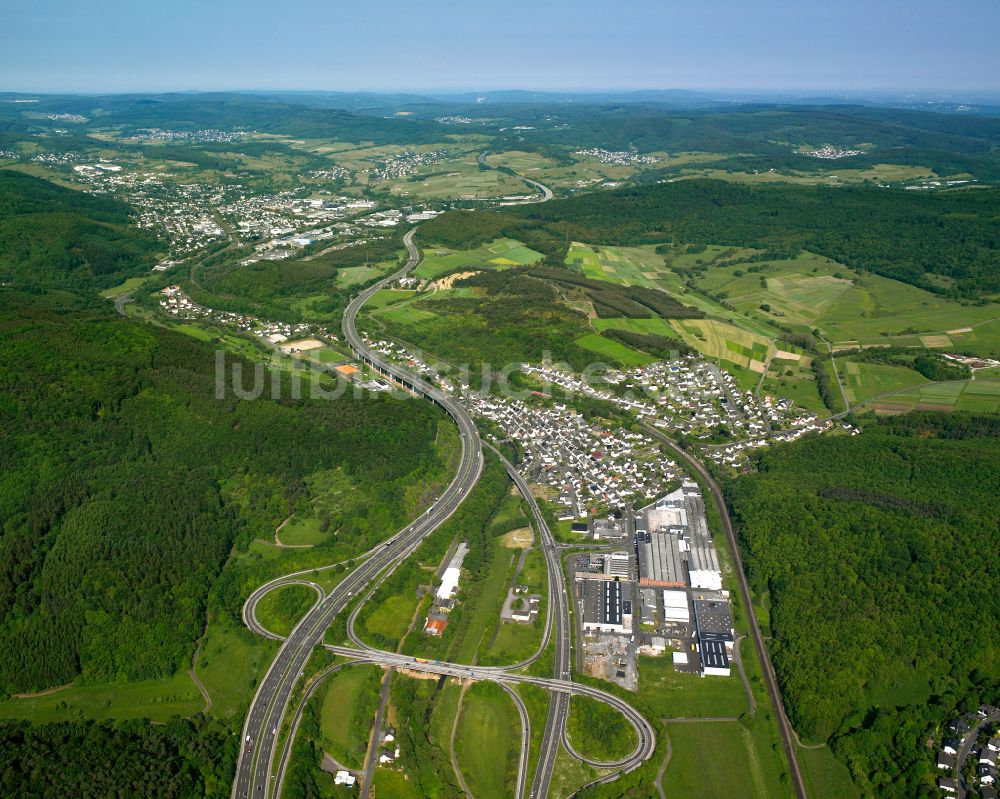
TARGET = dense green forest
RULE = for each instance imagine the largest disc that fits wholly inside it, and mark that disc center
(276, 289)
(183, 759)
(105, 422)
(878, 554)
(126, 484)
(918, 238)
(51, 237)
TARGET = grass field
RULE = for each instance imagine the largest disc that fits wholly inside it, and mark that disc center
(499, 254)
(613, 350)
(672, 694)
(656, 326)
(131, 284)
(157, 700)
(718, 759)
(392, 784)
(386, 297)
(798, 386)
(825, 776)
(356, 275)
(302, 530)
(280, 610)
(488, 741)
(598, 731)
(231, 661)
(347, 713)
(865, 380)
(406, 314)
(392, 618)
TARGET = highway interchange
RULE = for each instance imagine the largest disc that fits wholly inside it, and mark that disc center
(257, 774)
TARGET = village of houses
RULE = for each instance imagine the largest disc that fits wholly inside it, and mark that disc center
(968, 755)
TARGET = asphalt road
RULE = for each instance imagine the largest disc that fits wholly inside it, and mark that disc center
(555, 722)
(270, 703)
(784, 727)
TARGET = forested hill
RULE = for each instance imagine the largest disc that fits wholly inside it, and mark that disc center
(125, 484)
(879, 556)
(53, 237)
(943, 241)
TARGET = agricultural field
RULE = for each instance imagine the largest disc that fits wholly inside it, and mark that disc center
(980, 395)
(849, 308)
(628, 266)
(862, 381)
(725, 343)
(499, 254)
(463, 180)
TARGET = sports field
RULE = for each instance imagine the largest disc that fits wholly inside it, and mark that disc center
(499, 254)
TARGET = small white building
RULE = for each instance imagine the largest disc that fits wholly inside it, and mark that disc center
(344, 778)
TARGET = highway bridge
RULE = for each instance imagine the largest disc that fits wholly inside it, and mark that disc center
(257, 775)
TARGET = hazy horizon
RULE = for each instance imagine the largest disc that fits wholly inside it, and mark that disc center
(114, 46)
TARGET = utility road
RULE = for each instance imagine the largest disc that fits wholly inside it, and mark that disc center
(770, 680)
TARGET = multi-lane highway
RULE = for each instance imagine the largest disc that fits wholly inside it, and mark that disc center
(270, 703)
(255, 776)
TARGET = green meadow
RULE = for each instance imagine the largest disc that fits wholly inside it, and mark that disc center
(499, 254)
(613, 350)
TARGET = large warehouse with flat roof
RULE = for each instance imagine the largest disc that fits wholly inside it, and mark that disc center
(714, 623)
(607, 606)
(674, 545)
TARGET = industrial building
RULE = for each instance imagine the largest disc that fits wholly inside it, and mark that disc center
(607, 606)
(452, 574)
(676, 607)
(714, 624)
(674, 545)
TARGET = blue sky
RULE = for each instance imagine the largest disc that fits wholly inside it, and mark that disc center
(439, 45)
